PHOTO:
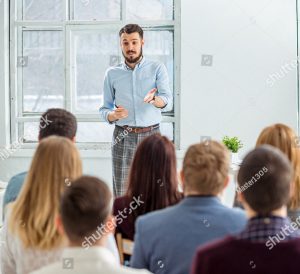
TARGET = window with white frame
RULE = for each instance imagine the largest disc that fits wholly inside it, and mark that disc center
(60, 50)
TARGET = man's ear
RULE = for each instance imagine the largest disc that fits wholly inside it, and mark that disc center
(59, 225)
(240, 197)
(143, 41)
(74, 139)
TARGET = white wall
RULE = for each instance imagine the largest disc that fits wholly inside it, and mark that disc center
(249, 40)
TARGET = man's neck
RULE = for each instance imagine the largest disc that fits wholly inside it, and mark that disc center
(101, 242)
(196, 193)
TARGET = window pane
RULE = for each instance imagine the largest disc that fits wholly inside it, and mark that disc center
(43, 10)
(159, 46)
(94, 53)
(97, 10)
(31, 131)
(42, 70)
(149, 9)
(94, 132)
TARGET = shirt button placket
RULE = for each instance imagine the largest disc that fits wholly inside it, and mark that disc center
(134, 87)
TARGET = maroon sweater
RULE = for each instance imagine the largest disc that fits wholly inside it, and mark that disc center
(233, 256)
(125, 225)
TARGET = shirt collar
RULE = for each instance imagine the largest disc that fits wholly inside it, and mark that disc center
(260, 228)
(94, 253)
(200, 201)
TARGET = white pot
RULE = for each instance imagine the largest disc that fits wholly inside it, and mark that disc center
(235, 158)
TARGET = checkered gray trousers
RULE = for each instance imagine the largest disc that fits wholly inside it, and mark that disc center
(124, 145)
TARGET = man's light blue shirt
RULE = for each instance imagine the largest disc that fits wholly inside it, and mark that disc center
(127, 88)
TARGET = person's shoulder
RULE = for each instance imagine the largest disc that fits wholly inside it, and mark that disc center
(120, 203)
(114, 69)
(13, 187)
(49, 269)
(129, 270)
(158, 65)
(20, 177)
(235, 212)
(216, 247)
(155, 218)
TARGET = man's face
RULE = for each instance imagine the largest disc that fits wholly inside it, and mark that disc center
(132, 47)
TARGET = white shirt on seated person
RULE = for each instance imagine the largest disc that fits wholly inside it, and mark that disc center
(96, 259)
(16, 260)
(91, 259)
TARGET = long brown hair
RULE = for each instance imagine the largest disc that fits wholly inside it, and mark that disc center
(285, 139)
(153, 175)
(55, 163)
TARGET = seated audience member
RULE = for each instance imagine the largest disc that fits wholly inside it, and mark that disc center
(30, 238)
(166, 240)
(54, 121)
(85, 212)
(270, 243)
(153, 183)
(284, 138)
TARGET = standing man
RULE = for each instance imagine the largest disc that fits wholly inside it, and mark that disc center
(135, 93)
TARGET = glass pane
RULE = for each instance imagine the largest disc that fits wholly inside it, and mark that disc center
(31, 131)
(94, 53)
(149, 9)
(159, 46)
(90, 132)
(43, 10)
(42, 70)
(97, 10)
(94, 132)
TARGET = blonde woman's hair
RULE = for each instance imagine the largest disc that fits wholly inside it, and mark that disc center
(285, 139)
(55, 164)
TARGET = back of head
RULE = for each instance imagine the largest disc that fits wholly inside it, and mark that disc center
(57, 121)
(55, 162)
(153, 174)
(85, 205)
(285, 139)
(264, 179)
(205, 168)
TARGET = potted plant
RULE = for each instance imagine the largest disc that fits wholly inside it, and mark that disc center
(233, 144)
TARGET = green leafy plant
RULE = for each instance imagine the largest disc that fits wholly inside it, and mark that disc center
(233, 143)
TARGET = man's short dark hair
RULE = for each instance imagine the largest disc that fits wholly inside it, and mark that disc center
(85, 205)
(131, 28)
(57, 121)
(265, 178)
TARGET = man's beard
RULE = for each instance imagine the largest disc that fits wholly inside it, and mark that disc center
(132, 61)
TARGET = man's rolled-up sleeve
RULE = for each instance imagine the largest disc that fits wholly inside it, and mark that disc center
(163, 87)
(108, 98)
